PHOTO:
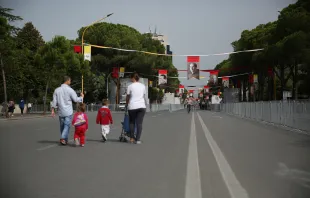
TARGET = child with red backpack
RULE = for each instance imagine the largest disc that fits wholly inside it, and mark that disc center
(80, 121)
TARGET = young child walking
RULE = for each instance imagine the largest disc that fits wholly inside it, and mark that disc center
(80, 122)
(104, 118)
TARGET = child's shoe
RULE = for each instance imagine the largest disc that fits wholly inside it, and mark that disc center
(77, 143)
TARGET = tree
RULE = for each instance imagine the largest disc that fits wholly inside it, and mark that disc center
(122, 36)
(286, 43)
(7, 44)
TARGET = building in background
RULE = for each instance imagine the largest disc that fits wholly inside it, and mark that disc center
(162, 39)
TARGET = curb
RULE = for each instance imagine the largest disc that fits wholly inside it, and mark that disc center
(25, 118)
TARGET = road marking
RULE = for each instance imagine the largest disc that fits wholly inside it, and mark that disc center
(39, 129)
(51, 146)
(234, 187)
(153, 116)
(217, 117)
(298, 176)
(193, 183)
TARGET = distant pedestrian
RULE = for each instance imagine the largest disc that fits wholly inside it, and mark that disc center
(29, 106)
(136, 101)
(22, 106)
(11, 108)
(104, 118)
(62, 100)
(80, 122)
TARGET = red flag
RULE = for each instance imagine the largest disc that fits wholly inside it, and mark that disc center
(77, 49)
(251, 78)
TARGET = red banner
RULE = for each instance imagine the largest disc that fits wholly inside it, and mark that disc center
(77, 49)
(213, 76)
(193, 67)
(181, 88)
(225, 82)
(162, 77)
(206, 88)
(251, 78)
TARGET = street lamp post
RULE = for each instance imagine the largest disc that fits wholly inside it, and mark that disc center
(83, 41)
(108, 85)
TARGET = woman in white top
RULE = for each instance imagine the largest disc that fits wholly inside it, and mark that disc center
(136, 102)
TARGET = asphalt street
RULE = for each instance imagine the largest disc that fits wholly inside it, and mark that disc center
(197, 155)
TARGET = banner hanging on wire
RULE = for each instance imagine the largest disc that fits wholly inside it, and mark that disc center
(193, 67)
(87, 53)
(162, 77)
(225, 82)
(213, 76)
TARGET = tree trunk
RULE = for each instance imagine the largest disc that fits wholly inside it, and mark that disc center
(295, 73)
(282, 79)
(244, 90)
(4, 87)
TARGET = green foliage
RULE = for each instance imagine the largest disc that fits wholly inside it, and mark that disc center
(35, 67)
(286, 44)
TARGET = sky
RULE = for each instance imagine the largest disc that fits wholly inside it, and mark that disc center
(192, 27)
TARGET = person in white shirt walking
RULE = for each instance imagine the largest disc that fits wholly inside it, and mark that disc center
(62, 100)
(136, 102)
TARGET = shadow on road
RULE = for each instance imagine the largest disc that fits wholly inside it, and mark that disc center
(48, 142)
(100, 141)
(302, 143)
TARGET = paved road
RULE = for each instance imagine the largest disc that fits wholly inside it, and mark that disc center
(197, 155)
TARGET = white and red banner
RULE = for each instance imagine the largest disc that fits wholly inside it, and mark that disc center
(181, 88)
(193, 67)
(213, 76)
(225, 82)
(206, 88)
(162, 77)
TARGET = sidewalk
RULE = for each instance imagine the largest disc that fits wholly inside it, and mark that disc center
(26, 116)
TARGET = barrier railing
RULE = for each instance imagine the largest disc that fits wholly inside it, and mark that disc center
(113, 107)
(294, 114)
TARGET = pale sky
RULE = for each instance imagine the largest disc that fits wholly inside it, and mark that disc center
(192, 27)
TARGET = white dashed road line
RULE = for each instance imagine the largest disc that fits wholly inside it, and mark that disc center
(193, 182)
(234, 187)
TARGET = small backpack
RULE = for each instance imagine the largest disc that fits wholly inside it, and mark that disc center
(80, 120)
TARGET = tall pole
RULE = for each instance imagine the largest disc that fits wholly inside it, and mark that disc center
(108, 85)
(4, 86)
(83, 41)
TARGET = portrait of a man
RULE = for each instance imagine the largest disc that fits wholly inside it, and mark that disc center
(162, 79)
(193, 70)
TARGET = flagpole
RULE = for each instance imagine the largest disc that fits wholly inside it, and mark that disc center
(83, 42)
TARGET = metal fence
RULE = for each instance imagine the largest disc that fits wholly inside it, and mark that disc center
(294, 114)
(115, 107)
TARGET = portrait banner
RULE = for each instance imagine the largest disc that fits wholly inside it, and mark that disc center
(225, 82)
(193, 67)
(213, 76)
(181, 88)
(162, 77)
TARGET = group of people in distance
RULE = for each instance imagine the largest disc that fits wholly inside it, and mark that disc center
(64, 95)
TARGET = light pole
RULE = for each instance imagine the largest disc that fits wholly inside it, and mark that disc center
(108, 85)
(83, 41)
